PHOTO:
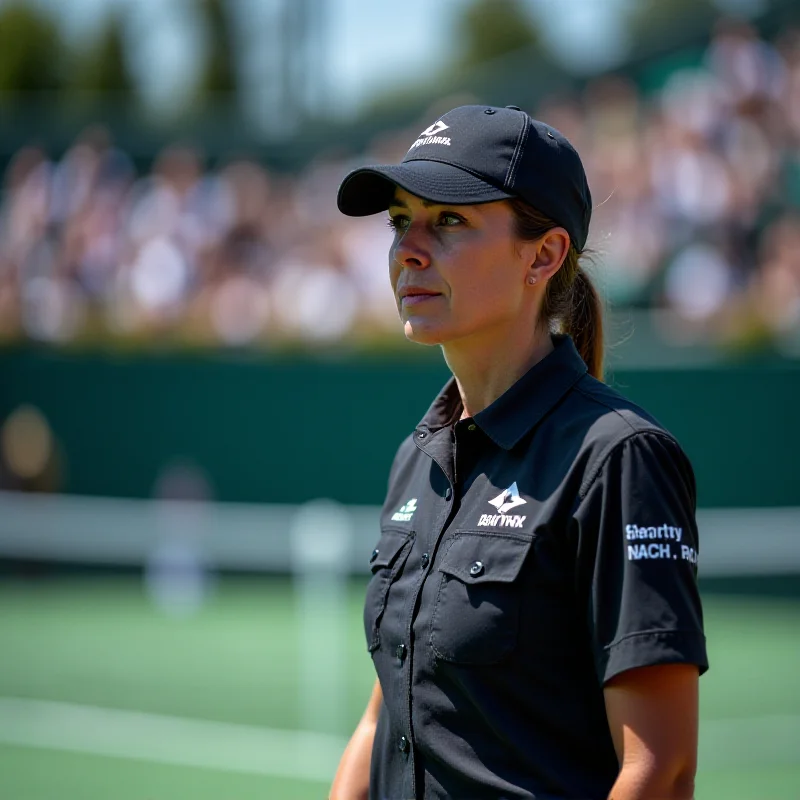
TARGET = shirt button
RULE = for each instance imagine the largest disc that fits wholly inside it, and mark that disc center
(471, 426)
(403, 745)
(448, 493)
(476, 569)
(425, 559)
(374, 555)
(401, 652)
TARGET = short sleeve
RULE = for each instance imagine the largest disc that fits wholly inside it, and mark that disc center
(637, 558)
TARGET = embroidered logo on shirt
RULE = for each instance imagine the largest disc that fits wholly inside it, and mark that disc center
(508, 499)
(405, 512)
(504, 502)
(663, 549)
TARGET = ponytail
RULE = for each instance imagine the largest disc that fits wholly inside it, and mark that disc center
(584, 322)
(571, 303)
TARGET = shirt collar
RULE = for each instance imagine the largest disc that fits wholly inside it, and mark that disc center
(444, 411)
(523, 405)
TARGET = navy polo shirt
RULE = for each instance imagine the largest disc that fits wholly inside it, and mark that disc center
(527, 556)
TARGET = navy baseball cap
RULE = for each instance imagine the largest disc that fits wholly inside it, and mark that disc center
(476, 154)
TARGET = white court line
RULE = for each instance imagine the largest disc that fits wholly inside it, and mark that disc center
(170, 740)
(742, 742)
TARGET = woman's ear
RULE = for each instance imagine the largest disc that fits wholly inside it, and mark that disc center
(551, 250)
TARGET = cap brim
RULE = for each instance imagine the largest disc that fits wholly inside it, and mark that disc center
(370, 190)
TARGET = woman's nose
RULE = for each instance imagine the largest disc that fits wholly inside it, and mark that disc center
(411, 252)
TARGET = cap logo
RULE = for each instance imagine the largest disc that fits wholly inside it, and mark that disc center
(437, 127)
(431, 135)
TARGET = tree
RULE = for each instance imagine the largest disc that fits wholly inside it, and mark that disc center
(101, 71)
(501, 59)
(31, 52)
(651, 22)
(218, 76)
(489, 29)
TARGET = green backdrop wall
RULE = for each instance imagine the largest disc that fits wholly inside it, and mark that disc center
(289, 429)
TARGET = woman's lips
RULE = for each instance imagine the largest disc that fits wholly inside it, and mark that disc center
(416, 299)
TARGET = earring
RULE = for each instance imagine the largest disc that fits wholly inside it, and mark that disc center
(531, 280)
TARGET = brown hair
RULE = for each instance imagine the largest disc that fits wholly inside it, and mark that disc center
(571, 303)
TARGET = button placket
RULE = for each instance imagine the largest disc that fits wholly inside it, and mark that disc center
(441, 450)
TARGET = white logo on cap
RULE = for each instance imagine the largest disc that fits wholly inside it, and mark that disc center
(431, 136)
(437, 127)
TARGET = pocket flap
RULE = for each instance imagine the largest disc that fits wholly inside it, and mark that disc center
(387, 549)
(485, 558)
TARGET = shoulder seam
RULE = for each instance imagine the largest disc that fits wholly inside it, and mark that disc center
(594, 471)
(616, 411)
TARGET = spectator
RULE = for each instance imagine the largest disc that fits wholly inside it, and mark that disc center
(696, 188)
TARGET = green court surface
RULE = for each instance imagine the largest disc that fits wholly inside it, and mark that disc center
(102, 695)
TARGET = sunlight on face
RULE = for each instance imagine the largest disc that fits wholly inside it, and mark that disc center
(455, 269)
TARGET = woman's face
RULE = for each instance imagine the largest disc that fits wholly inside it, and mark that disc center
(457, 271)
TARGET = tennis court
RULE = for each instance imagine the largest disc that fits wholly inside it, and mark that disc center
(103, 695)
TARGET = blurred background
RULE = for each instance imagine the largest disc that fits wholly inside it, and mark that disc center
(203, 380)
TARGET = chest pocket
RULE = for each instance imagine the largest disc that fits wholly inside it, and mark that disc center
(386, 562)
(476, 616)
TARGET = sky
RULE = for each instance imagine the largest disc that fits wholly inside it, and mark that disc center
(373, 44)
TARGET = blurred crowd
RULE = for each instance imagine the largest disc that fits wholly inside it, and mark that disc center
(233, 256)
(697, 220)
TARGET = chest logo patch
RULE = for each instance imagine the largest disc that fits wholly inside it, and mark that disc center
(405, 512)
(504, 502)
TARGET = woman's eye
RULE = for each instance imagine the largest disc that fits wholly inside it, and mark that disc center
(398, 222)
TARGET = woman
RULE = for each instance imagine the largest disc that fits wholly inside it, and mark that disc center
(533, 614)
